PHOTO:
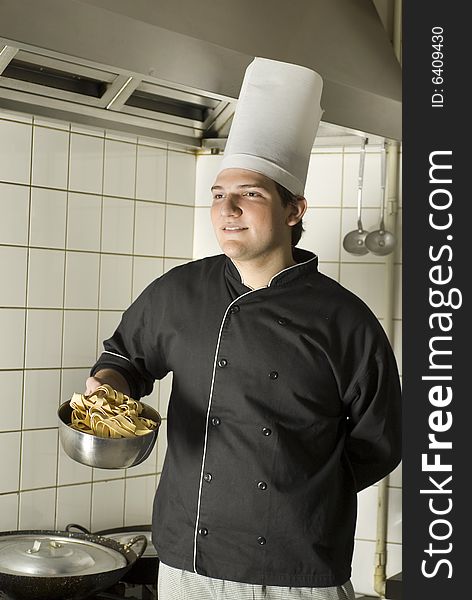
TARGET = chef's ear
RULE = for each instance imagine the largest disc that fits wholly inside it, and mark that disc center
(297, 210)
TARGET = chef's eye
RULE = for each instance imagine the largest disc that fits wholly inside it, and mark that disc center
(252, 194)
(217, 196)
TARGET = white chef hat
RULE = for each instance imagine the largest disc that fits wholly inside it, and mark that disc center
(275, 122)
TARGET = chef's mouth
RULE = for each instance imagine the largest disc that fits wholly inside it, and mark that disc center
(233, 228)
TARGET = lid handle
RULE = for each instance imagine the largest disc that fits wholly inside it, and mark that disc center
(36, 547)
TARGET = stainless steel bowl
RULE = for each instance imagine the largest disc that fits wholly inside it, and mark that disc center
(106, 453)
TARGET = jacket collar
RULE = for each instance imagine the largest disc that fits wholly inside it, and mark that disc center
(306, 262)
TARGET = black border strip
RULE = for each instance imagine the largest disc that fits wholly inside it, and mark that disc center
(437, 238)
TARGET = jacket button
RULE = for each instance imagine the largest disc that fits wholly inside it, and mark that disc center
(266, 431)
(273, 374)
(234, 309)
(262, 485)
(261, 540)
(215, 421)
(222, 362)
(203, 531)
(282, 321)
(208, 477)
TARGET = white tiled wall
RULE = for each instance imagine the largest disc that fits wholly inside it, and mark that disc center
(331, 191)
(88, 219)
(79, 206)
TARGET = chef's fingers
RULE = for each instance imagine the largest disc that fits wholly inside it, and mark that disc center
(91, 384)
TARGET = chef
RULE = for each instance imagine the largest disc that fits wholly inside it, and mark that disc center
(285, 399)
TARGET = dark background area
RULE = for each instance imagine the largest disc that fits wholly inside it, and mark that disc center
(427, 129)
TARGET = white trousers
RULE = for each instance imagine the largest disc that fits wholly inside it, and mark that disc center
(175, 584)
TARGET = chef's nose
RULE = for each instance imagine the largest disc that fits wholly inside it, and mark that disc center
(229, 207)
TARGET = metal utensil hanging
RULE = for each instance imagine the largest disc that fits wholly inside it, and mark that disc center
(380, 241)
(354, 241)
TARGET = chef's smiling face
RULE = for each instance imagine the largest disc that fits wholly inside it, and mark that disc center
(248, 217)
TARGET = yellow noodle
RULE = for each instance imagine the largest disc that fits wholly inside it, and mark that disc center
(109, 413)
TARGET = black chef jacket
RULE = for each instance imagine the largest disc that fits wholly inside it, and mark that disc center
(285, 402)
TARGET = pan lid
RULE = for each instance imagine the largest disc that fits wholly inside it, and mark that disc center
(48, 555)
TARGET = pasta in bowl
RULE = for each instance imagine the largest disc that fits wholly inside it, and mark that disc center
(107, 429)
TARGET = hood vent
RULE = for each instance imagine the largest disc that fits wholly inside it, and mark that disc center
(54, 78)
(172, 71)
(159, 104)
(56, 87)
(67, 77)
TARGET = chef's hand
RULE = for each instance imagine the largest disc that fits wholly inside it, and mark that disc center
(109, 376)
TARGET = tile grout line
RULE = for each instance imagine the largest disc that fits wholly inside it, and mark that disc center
(164, 241)
(100, 264)
(88, 193)
(131, 297)
(64, 283)
(25, 329)
(100, 257)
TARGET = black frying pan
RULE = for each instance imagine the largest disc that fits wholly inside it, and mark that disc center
(68, 587)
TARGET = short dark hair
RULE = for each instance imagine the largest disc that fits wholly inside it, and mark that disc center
(287, 199)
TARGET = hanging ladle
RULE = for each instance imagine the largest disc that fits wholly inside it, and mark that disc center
(380, 241)
(354, 241)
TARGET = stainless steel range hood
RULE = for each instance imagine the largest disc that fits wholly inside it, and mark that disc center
(171, 69)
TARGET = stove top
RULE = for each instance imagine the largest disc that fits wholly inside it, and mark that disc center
(128, 590)
(132, 591)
